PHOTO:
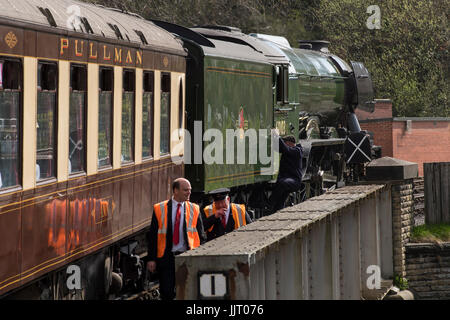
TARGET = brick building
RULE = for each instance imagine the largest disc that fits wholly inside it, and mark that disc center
(420, 140)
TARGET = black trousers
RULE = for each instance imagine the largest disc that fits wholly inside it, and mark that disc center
(282, 189)
(166, 271)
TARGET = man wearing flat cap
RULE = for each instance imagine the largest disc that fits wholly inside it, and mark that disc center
(222, 216)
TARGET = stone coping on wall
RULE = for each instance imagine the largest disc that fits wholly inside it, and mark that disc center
(427, 247)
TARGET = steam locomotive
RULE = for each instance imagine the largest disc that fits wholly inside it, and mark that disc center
(95, 105)
(258, 82)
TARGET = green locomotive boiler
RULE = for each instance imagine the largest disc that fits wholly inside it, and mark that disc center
(240, 86)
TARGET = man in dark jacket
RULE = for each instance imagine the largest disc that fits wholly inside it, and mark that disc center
(290, 175)
(222, 216)
(175, 228)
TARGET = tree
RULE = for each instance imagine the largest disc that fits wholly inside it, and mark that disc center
(408, 57)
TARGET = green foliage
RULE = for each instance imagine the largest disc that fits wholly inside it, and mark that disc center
(401, 283)
(431, 233)
(408, 57)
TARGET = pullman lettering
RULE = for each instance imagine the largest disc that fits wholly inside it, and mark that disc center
(82, 48)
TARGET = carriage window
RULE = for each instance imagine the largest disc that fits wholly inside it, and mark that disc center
(10, 124)
(105, 117)
(165, 113)
(46, 121)
(129, 85)
(77, 122)
(147, 114)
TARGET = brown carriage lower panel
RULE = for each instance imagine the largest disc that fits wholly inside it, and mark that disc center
(10, 239)
(179, 171)
(152, 190)
(142, 194)
(154, 184)
(80, 222)
(44, 230)
(90, 215)
(64, 222)
(123, 195)
(165, 179)
(103, 204)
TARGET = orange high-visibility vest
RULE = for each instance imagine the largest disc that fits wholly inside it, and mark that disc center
(192, 212)
(238, 211)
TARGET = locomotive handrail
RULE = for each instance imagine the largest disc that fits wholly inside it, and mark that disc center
(283, 109)
(317, 76)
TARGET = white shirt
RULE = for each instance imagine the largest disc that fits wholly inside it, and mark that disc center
(227, 214)
(181, 247)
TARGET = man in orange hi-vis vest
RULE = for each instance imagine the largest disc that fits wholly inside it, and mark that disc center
(175, 228)
(222, 216)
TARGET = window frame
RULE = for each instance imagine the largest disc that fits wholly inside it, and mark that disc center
(163, 74)
(282, 78)
(85, 114)
(55, 118)
(111, 139)
(3, 59)
(152, 122)
(125, 163)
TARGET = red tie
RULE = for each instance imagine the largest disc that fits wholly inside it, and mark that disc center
(224, 221)
(176, 231)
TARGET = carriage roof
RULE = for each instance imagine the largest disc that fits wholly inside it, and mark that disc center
(96, 21)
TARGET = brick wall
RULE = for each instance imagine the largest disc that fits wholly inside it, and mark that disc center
(424, 142)
(428, 270)
(382, 135)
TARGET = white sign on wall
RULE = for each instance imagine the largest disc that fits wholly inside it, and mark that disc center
(213, 285)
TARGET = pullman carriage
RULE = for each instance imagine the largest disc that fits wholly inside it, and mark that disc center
(89, 97)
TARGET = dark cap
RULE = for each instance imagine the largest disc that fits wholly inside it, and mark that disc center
(289, 139)
(219, 194)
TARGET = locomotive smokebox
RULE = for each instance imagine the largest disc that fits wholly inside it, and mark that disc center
(315, 45)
